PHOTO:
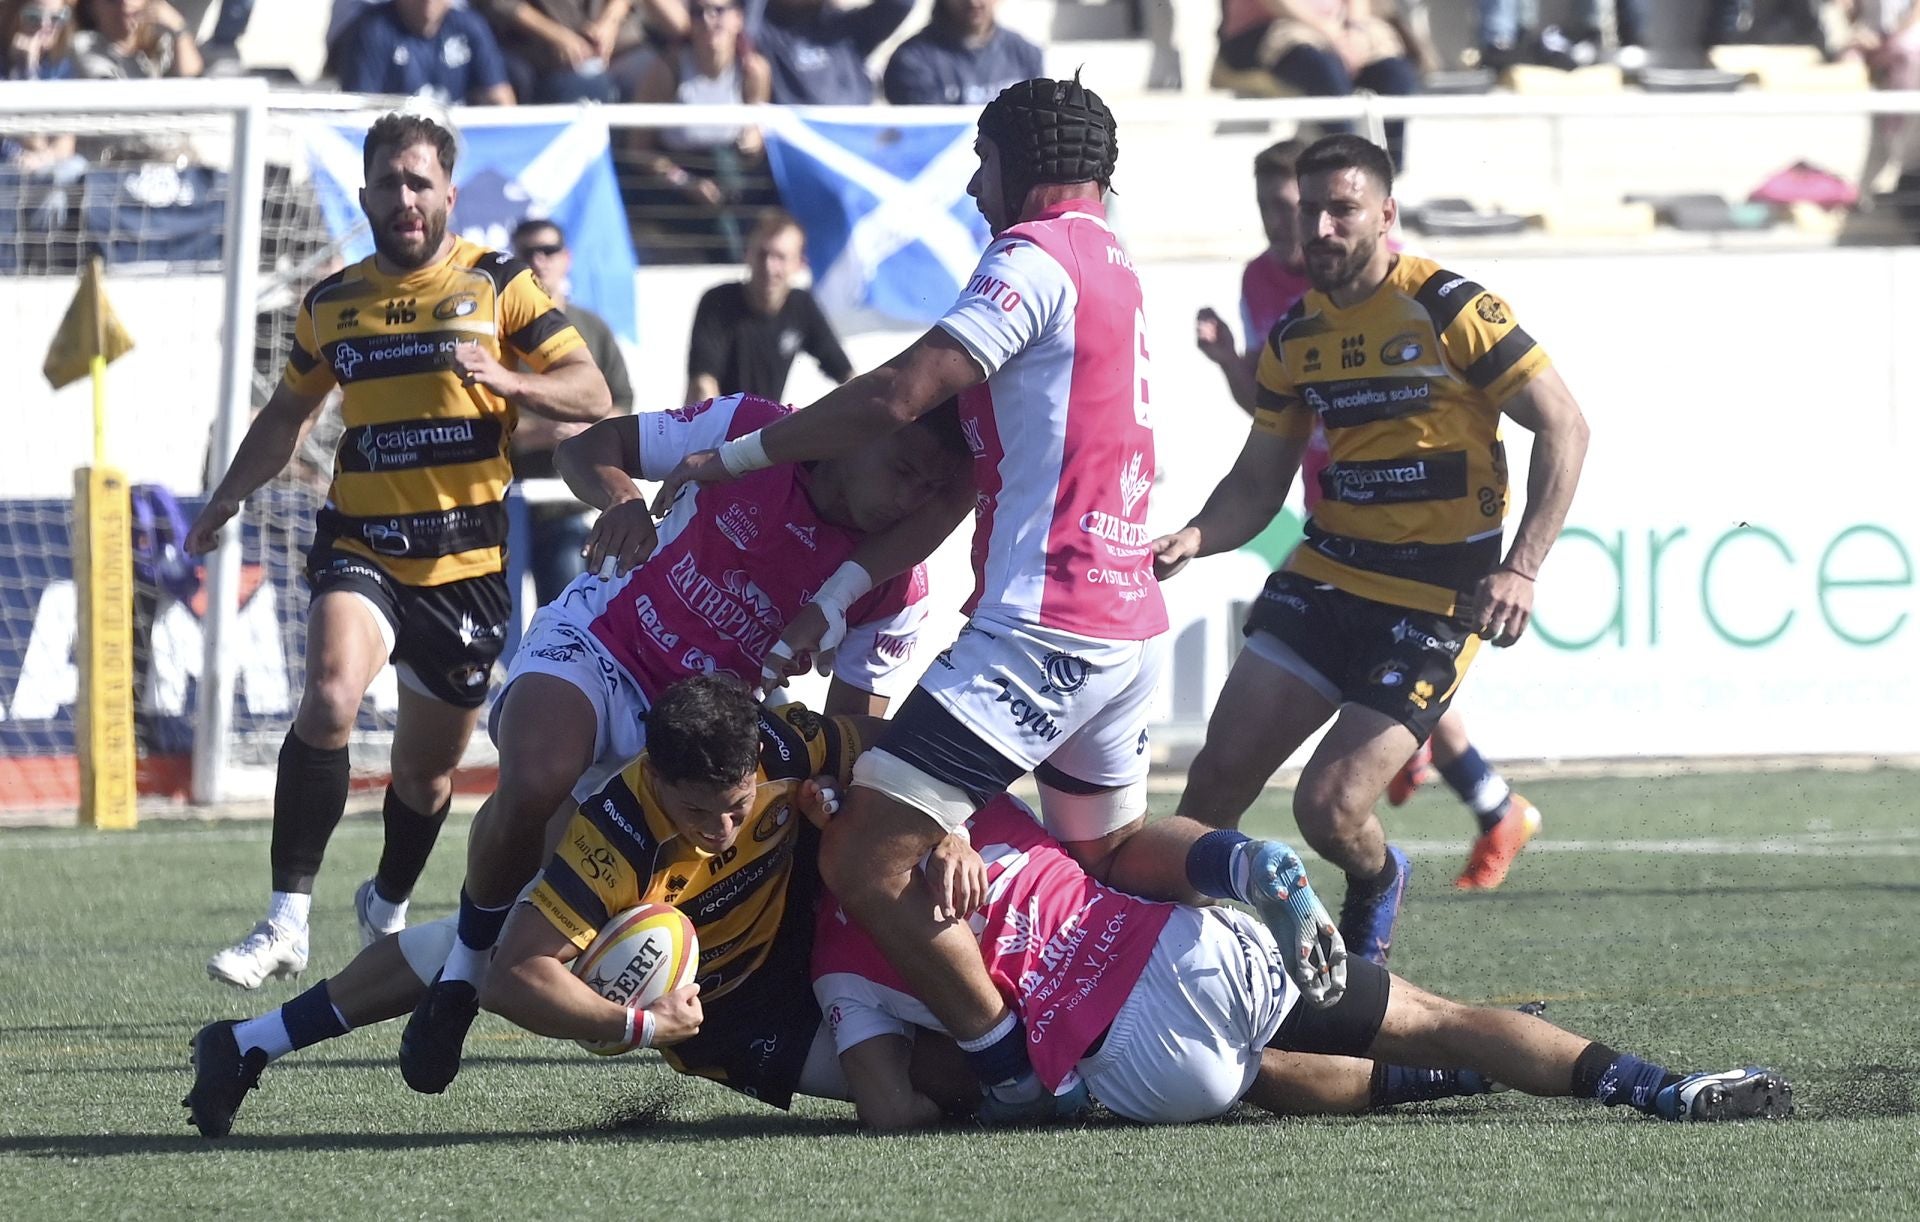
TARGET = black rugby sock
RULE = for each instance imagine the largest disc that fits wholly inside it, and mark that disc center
(309, 796)
(410, 837)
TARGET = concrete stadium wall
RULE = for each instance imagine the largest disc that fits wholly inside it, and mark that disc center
(1739, 572)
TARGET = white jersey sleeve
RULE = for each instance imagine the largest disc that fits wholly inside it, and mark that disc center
(877, 656)
(1018, 295)
(669, 436)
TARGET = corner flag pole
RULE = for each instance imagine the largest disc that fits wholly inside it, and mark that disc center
(89, 337)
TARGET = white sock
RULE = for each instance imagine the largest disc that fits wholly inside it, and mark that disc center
(268, 1033)
(288, 910)
(466, 963)
(1241, 870)
(383, 914)
(1490, 794)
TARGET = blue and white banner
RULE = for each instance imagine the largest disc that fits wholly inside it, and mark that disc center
(562, 172)
(891, 231)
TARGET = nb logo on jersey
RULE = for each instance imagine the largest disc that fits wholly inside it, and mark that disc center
(1353, 351)
(400, 312)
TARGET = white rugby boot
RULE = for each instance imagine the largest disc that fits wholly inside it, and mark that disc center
(269, 952)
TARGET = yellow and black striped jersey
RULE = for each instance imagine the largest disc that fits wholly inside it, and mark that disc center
(423, 464)
(1408, 386)
(748, 904)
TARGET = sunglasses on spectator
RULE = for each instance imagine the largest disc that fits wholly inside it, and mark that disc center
(714, 11)
(34, 18)
(550, 248)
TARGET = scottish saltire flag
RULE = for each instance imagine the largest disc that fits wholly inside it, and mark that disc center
(891, 232)
(558, 171)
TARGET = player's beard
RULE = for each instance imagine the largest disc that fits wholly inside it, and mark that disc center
(1332, 274)
(403, 252)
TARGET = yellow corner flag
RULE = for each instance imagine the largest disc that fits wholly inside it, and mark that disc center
(89, 337)
(90, 329)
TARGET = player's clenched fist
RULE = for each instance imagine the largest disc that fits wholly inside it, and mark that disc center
(205, 534)
(676, 1016)
(1171, 552)
(623, 534)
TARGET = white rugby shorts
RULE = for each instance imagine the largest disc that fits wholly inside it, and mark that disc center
(1038, 696)
(553, 645)
(1187, 1043)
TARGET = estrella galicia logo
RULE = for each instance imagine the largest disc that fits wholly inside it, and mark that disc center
(772, 822)
(1402, 349)
(457, 306)
(1065, 673)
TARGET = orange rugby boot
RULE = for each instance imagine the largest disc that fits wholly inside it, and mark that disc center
(1494, 851)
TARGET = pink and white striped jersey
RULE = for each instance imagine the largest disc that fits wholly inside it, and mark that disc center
(1063, 948)
(1061, 439)
(735, 562)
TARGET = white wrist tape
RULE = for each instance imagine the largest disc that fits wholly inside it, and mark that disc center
(642, 1023)
(848, 585)
(744, 454)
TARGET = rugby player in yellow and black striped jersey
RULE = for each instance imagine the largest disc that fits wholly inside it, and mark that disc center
(436, 345)
(1375, 618)
(707, 820)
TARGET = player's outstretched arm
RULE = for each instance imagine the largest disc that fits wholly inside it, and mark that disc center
(1503, 604)
(264, 452)
(930, 371)
(529, 984)
(1240, 507)
(570, 388)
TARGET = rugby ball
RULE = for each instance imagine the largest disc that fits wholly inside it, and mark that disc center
(638, 957)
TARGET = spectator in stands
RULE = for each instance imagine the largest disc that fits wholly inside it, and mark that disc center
(746, 334)
(963, 56)
(558, 529)
(1820, 23)
(580, 50)
(819, 53)
(40, 42)
(1885, 34)
(1510, 33)
(423, 46)
(132, 40)
(702, 176)
(45, 166)
(1321, 48)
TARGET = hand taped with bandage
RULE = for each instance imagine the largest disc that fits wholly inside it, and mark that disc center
(820, 626)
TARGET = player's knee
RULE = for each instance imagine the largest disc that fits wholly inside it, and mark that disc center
(328, 707)
(534, 783)
(423, 787)
(1213, 788)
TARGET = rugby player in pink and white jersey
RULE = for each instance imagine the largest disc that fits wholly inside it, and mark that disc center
(1054, 670)
(706, 592)
(1171, 1014)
